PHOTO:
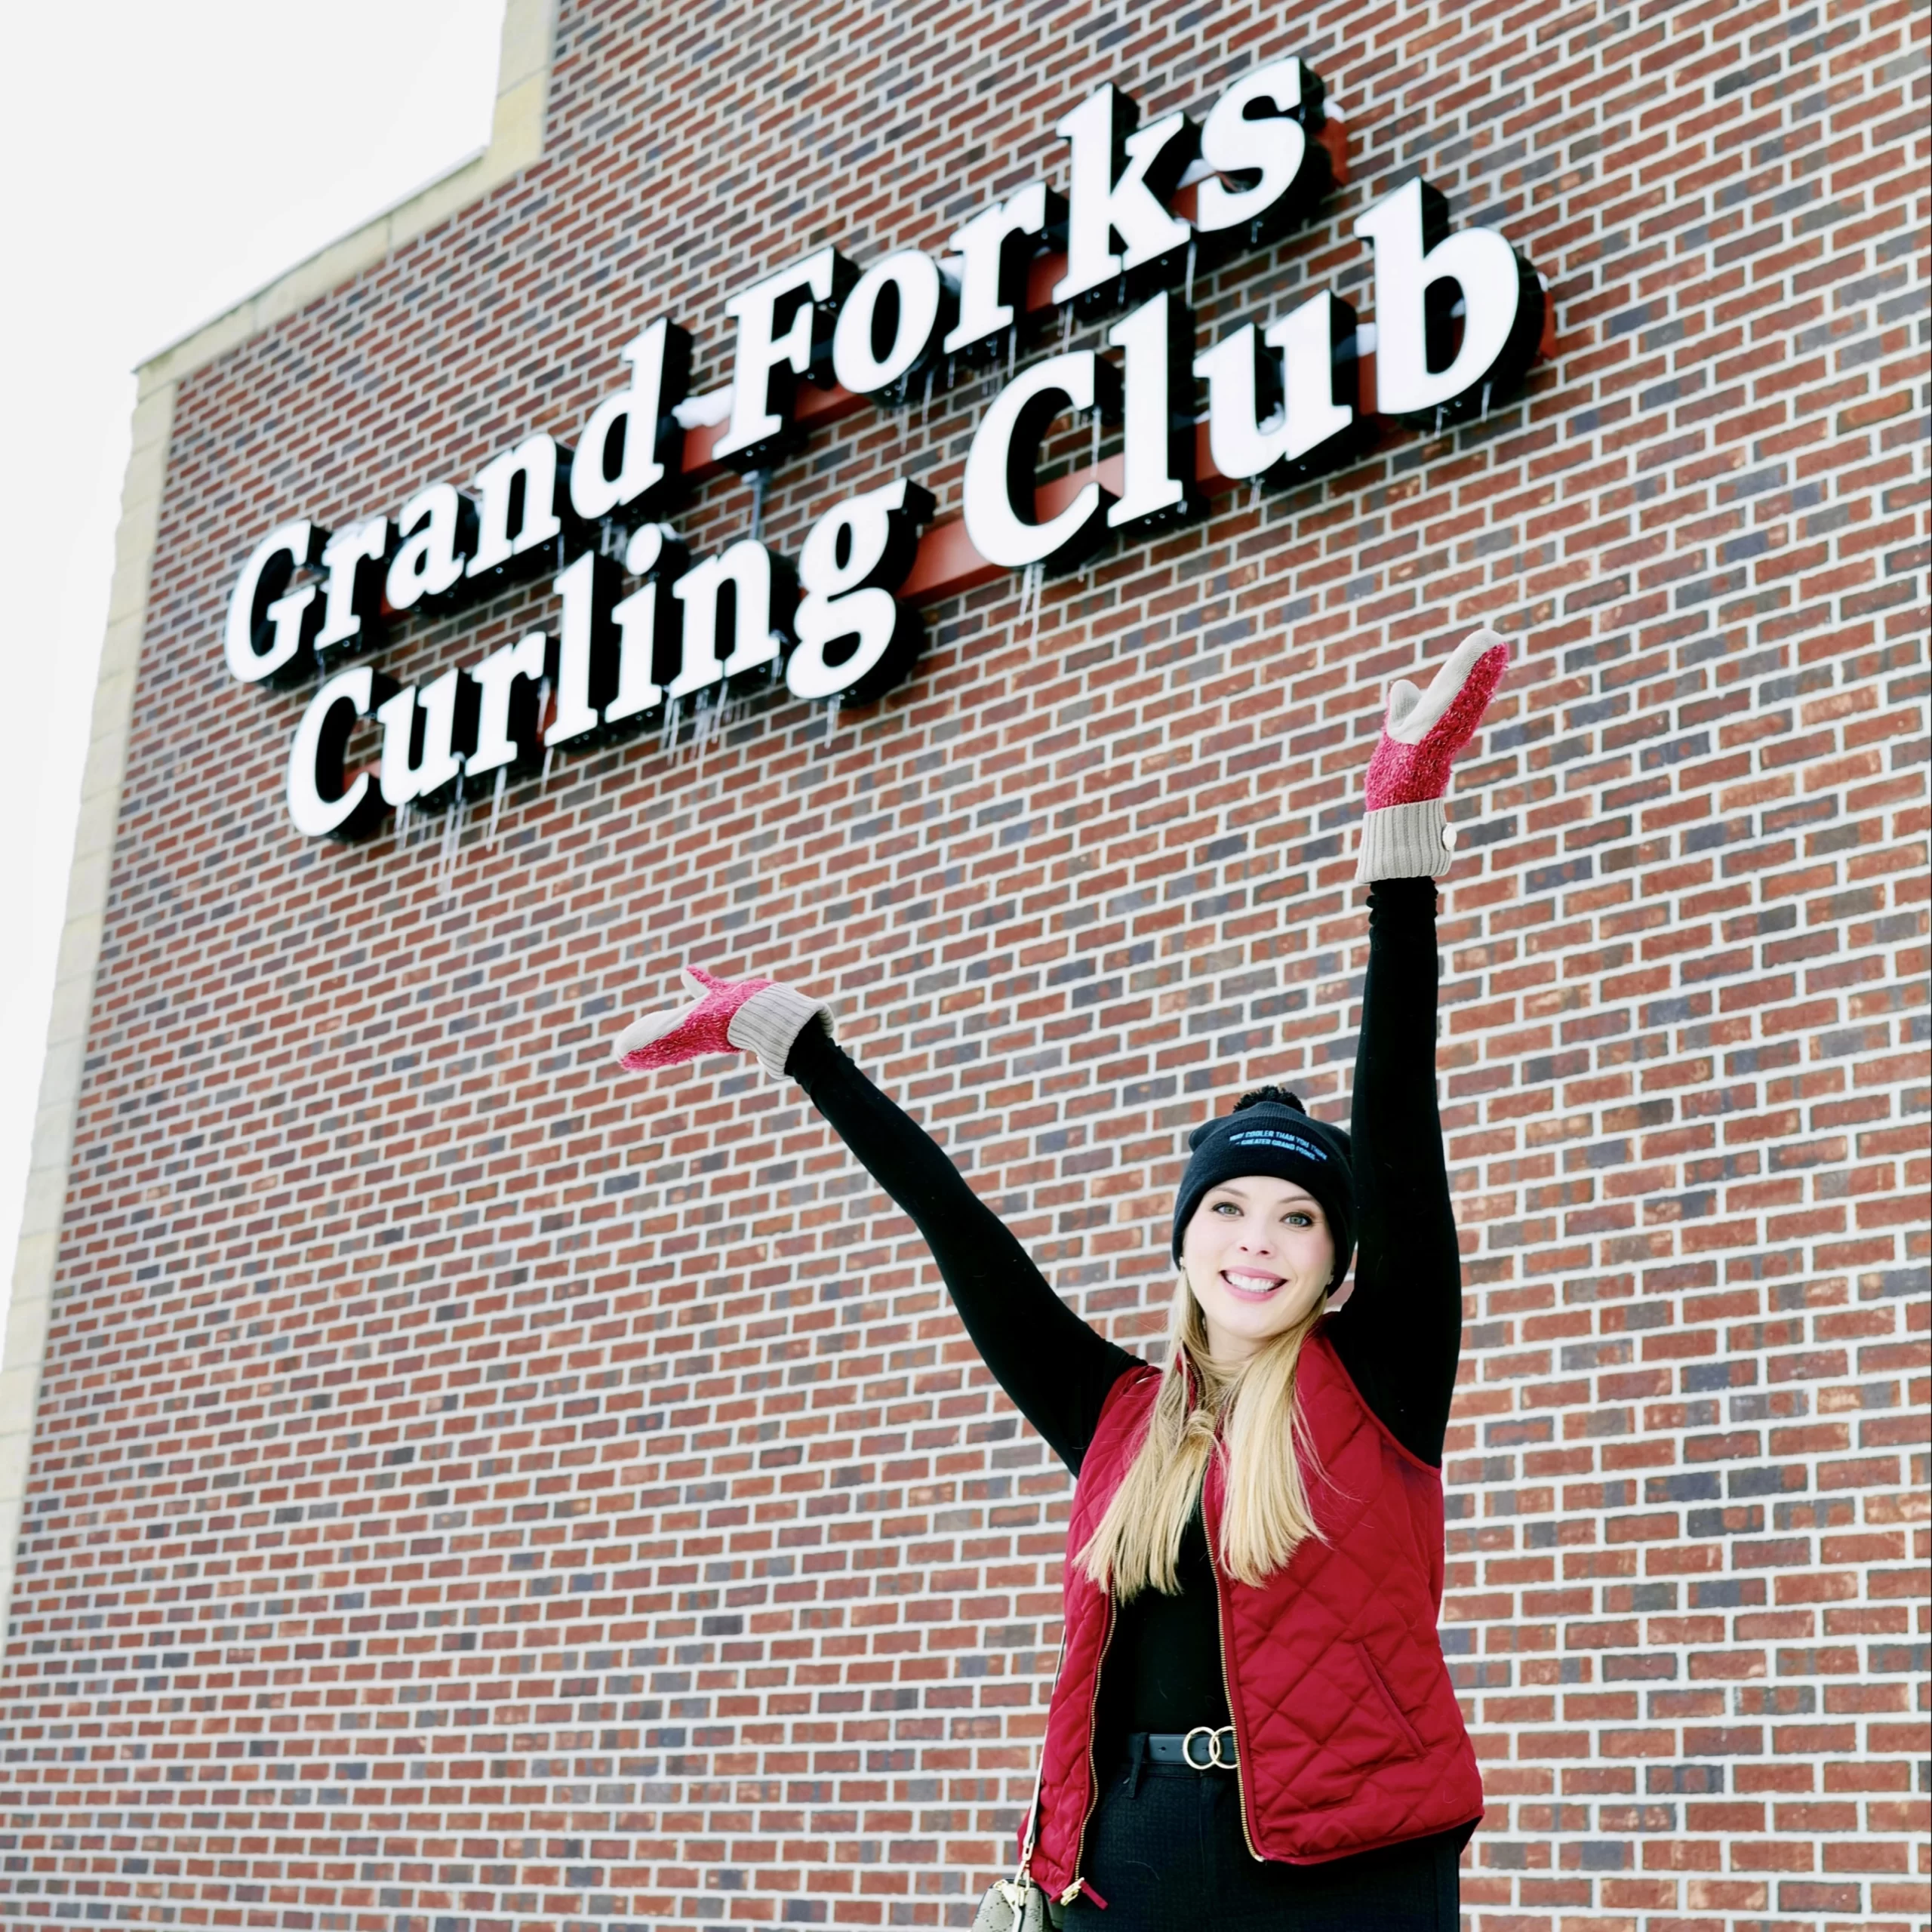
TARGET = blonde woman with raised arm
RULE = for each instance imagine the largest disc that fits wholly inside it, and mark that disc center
(1252, 1725)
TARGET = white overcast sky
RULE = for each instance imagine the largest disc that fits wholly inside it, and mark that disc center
(162, 161)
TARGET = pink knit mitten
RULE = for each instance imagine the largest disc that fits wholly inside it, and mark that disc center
(759, 1016)
(1405, 832)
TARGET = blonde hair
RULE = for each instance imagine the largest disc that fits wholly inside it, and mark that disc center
(1250, 1416)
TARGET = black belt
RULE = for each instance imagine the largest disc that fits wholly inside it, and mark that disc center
(1203, 1748)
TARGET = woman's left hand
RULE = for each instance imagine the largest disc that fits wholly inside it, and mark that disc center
(1405, 831)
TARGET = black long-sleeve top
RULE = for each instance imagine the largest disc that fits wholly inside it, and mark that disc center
(1398, 1333)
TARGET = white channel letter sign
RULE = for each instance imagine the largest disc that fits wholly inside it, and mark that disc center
(641, 627)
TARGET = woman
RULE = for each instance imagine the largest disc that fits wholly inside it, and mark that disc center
(1252, 1725)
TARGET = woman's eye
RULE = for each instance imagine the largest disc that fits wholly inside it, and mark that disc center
(1226, 1208)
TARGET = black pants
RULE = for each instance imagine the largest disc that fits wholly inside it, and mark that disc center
(1166, 1851)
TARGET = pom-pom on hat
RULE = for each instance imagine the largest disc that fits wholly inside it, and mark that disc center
(1270, 1132)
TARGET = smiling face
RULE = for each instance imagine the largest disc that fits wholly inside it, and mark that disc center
(1258, 1254)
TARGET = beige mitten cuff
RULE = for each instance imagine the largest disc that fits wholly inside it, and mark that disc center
(1405, 841)
(770, 1020)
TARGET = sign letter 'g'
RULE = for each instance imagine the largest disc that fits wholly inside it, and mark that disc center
(269, 627)
(856, 640)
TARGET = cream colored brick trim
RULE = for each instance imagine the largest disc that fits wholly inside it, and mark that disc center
(516, 139)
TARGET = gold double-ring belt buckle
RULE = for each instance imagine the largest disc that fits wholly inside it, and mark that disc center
(1216, 1761)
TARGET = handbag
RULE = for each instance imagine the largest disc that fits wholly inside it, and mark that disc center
(1018, 1904)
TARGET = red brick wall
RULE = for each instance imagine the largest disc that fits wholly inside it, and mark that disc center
(472, 1490)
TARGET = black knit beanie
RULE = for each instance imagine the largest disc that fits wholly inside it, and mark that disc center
(1270, 1132)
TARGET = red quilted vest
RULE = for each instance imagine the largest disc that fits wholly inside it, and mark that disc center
(1348, 1729)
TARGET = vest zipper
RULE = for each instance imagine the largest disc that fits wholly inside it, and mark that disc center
(1228, 1691)
(1093, 1768)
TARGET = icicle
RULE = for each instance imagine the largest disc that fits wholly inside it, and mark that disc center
(1096, 436)
(667, 732)
(497, 801)
(1035, 578)
(758, 503)
(402, 817)
(1187, 293)
(549, 750)
(1066, 327)
(1012, 349)
(704, 724)
(831, 723)
(1438, 419)
(1029, 593)
(1484, 409)
(452, 842)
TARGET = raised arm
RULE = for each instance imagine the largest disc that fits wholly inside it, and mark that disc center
(1399, 1333)
(1056, 1370)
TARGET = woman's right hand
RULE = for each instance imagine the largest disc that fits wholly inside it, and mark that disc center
(761, 1017)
